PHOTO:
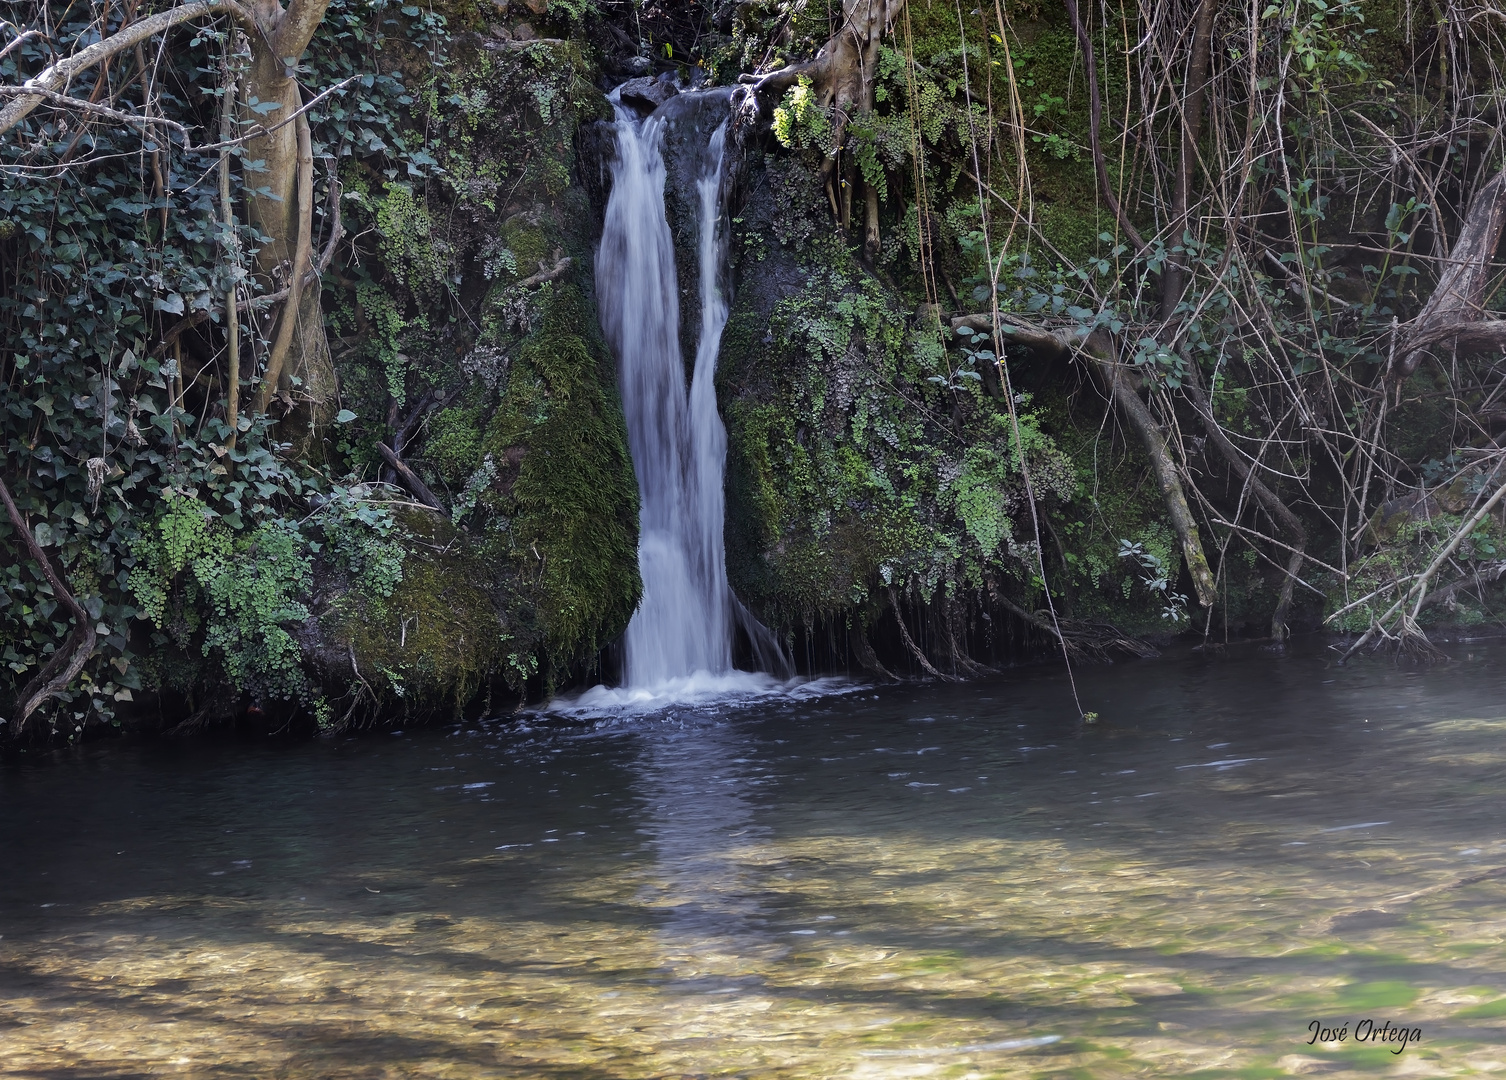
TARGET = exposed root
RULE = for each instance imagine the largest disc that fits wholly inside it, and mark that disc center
(863, 650)
(915, 650)
(843, 75)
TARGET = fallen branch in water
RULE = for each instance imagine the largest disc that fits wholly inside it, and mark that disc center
(1091, 640)
(1385, 907)
(1432, 890)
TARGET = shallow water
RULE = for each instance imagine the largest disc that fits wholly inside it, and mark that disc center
(919, 881)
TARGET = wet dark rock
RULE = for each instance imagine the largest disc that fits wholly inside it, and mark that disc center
(646, 94)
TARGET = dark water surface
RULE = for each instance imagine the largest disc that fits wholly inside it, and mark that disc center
(954, 881)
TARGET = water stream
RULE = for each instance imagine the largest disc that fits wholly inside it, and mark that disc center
(751, 878)
(939, 881)
(680, 640)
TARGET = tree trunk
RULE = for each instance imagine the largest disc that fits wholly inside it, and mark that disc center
(842, 75)
(283, 210)
(1459, 299)
(1162, 467)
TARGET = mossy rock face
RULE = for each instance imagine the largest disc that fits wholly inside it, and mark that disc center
(526, 448)
(868, 452)
(565, 486)
(854, 464)
(429, 646)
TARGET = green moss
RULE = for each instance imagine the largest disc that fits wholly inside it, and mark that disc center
(527, 243)
(532, 454)
(440, 632)
(567, 490)
(453, 447)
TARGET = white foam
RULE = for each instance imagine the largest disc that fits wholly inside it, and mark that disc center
(699, 689)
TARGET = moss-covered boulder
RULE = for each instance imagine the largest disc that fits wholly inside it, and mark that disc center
(430, 642)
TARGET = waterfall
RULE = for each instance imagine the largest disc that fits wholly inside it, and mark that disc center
(684, 627)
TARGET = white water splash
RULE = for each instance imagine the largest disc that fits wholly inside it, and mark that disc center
(697, 690)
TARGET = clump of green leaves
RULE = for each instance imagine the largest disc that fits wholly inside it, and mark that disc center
(800, 121)
(363, 539)
(198, 579)
(1155, 575)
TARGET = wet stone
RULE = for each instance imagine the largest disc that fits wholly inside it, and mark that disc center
(646, 94)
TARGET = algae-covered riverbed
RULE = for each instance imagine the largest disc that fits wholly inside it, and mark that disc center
(952, 881)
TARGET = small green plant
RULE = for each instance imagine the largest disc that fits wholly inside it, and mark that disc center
(194, 574)
(1155, 578)
(800, 122)
(324, 714)
(364, 540)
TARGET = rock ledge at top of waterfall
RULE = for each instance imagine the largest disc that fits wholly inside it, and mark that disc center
(646, 94)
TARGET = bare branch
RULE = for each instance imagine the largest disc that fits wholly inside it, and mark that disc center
(260, 132)
(64, 101)
(410, 478)
(56, 76)
(18, 41)
(1095, 120)
(64, 664)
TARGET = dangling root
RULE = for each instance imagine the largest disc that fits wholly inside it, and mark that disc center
(862, 649)
(915, 651)
(1088, 641)
(64, 665)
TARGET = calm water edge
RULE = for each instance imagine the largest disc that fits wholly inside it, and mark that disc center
(941, 881)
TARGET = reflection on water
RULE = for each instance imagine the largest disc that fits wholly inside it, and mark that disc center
(919, 881)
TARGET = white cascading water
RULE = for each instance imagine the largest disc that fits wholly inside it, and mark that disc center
(679, 642)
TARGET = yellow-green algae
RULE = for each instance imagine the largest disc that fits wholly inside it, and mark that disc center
(1146, 967)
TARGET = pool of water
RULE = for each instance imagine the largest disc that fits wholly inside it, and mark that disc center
(947, 881)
